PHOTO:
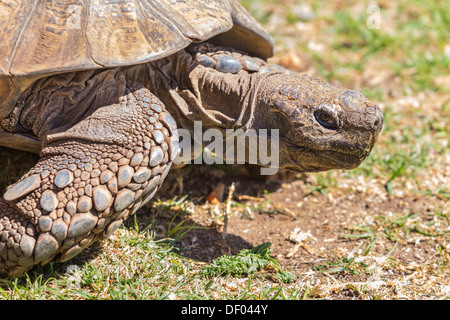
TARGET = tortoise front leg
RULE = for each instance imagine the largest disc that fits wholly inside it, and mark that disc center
(88, 181)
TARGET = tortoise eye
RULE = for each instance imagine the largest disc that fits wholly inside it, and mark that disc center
(326, 119)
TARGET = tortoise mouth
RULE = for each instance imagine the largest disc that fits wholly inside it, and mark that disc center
(303, 159)
(340, 159)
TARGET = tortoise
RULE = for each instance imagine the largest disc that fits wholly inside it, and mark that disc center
(101, 90)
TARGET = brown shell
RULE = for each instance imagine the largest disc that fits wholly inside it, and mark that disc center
(44, 37)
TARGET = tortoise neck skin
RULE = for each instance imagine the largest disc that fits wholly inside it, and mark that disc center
(321, 126)
(198, 93)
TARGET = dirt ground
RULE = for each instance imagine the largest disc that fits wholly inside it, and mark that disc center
(343, 237)
(313, 232)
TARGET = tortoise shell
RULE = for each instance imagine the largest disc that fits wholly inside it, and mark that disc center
(42, 38)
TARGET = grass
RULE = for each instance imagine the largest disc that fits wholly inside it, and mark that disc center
(324, 182)
(132, 265)
(401, 227)
(419, 25)
(405, 66)
(247, 263)
(175, 231)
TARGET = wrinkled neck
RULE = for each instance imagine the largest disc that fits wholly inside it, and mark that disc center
(197, 93)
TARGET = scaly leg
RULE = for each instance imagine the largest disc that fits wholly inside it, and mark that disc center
(89, 179)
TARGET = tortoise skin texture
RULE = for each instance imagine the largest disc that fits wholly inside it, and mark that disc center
(101, 88)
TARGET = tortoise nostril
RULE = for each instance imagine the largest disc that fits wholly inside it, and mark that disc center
(378, 123)
(377, 118)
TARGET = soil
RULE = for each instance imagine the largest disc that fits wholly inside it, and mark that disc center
(313, 227)
(277, 208)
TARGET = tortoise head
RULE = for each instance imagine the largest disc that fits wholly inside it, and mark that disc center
(321, 126)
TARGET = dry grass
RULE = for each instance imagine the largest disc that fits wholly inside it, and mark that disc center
(378, 232)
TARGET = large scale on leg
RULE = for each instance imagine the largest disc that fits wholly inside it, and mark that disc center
(89, 179)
